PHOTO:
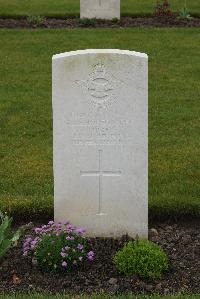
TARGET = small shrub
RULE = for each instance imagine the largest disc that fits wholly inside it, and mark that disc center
(8, 238)
(115, 20)
(35, 20)
(86, 22)
(58, 247)
(141, 257)
(163, 9)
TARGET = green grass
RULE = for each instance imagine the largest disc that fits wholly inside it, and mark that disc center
(127, 296)
(71, 7)
(26, 176)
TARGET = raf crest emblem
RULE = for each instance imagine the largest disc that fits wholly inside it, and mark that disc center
(100, 87)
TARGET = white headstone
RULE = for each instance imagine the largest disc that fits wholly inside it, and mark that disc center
(100, 128)
(100, 9)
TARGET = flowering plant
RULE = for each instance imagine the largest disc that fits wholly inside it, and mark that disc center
(163, 9)
(58, 247)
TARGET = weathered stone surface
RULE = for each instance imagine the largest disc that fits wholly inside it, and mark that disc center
(100, 9)
(100, 133)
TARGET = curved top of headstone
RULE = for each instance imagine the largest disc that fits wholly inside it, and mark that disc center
(99, 51)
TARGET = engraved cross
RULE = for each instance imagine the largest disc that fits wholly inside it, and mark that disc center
(100, 174)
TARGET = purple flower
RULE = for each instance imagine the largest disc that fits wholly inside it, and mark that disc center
(80, 230)
(80, 258)
(70, 238)
(32, 246)
(70, 226)
(25, 253)
(26, 248)
(59, 224)
(90, 255)
(66, 222)
(90, 258)
(80, 246)
(51, 222)
(28, 240)
(64, 264)
(67, 247)
(26, 244)
(62, 254)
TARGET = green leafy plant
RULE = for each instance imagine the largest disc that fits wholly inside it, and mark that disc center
(8, 238)
(35, 20)
(58, 247)
(115, 20)
(86, 22)
(141, 257)
(162, 9)
(184, 13)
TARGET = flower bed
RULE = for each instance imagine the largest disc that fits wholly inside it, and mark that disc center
(124, 22)
(180, 241)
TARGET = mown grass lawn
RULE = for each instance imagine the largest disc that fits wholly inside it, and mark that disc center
(26, 175)
(127, 296)
(71, 7)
